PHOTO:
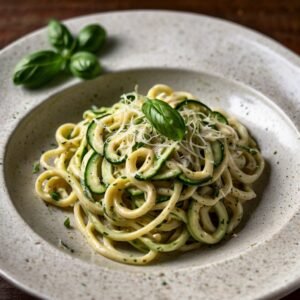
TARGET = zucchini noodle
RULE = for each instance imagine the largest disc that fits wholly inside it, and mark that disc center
(135, 193)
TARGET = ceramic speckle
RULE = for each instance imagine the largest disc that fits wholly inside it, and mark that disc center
(227, 66)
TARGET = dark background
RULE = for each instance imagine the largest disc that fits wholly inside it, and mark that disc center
(279, 19)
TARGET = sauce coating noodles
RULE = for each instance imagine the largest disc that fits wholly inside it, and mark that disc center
(130, 185)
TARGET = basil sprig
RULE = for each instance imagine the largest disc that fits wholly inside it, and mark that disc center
(72, 56)
(165, 119)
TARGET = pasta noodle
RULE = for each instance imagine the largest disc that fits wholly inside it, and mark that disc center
(131, 186)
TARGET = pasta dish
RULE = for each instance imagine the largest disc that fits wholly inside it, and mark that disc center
(152, 174)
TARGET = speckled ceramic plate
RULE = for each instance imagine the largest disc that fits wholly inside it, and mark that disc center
(226, 65)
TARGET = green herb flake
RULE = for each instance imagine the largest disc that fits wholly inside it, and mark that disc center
(36, 167)
(55, 196)
(67, 247)
(162, 198)
(216, 191)
(137, 146)
(253, 151)
(67, 223)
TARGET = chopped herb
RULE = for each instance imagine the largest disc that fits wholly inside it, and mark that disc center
(252, 151)
(67, 223)
(137, 146)
(131, 97)
(162, 198)
(55, 196)
(36, 167)
(67, 247)
(216, 191)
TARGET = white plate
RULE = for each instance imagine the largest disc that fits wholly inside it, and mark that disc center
(224, 64)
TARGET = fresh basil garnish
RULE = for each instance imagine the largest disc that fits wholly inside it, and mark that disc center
(165, 119)
(72, 55)
(85, 65)
(91, 38)
(38, 68)
(60, 36)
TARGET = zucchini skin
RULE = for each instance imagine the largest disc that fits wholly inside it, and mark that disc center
(108, 156)
(201, 107)
(90, 133)
(169, 175)
(219, 117)
(188, 181)
(218, 152)
(149, 174)
(90, 178)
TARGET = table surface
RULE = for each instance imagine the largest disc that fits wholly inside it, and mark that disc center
(275, 18)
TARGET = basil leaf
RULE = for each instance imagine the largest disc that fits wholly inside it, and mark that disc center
(85, 65)
(165, 119)
(60, 36)
(38, 68)
(91, 38)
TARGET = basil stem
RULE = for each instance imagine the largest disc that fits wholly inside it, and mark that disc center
(91, 38)
(38, 68)
(85, 65)
(60, 36)
(165, 119)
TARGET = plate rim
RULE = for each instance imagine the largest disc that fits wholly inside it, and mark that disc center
(283, 51)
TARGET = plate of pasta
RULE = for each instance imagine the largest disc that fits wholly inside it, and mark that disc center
(175, 174)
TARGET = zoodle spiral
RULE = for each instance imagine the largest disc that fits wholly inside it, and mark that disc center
(129, 183)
